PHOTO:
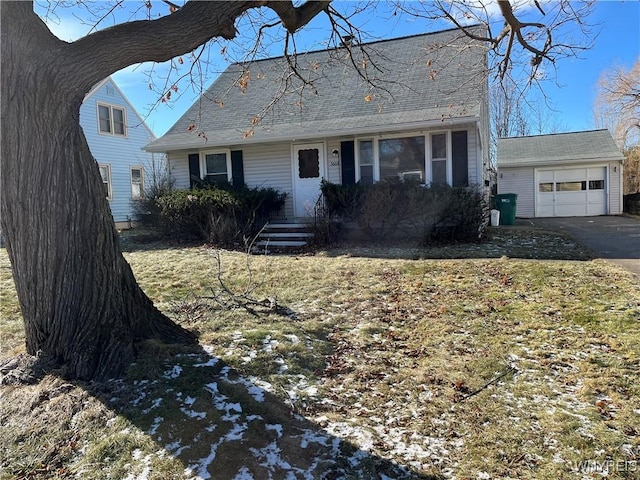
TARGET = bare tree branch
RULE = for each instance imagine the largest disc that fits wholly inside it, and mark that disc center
(617, 105)
(157, 40)
(295, 17)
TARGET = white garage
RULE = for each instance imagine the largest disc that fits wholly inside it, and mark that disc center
(562, 175)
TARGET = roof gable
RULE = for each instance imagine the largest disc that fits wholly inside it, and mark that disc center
(431, 77)
(111, 86)
(570, 147)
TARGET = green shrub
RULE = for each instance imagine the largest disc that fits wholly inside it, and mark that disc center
(395, 209)
(462, 216)
(158, 182)
(221, 215)
(342, 200)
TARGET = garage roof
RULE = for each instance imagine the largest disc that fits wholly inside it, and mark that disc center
(574, 147)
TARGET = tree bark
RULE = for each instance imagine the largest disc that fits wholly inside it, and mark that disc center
(80, 302)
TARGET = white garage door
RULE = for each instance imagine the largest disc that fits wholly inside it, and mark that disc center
(571, 192)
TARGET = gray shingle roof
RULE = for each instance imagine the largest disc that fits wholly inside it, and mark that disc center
(419, 79)
(571, 147)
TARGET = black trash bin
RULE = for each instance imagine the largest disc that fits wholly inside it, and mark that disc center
(506, 203)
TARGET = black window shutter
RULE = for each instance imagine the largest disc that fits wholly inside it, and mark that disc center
(460, 158)
(348, 163)
(194, 168)
(237, 169)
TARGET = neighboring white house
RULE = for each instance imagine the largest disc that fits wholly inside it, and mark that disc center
(116, 135)
(421, 113)
(563, 174)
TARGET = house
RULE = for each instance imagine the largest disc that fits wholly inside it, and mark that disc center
(414, 108)
(563, 174)
(116, 134)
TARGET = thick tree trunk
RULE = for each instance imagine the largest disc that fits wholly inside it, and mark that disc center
(80, 302)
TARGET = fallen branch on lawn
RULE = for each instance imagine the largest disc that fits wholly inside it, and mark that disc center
(228, 299)
(490, 382)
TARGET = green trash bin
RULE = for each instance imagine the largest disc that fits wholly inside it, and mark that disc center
(506, 203)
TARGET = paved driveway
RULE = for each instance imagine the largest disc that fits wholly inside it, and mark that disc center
(615, 238)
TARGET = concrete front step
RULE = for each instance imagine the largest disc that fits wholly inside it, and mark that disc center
(284, 236)
(295, 226)
(281, 243)
(269, 234)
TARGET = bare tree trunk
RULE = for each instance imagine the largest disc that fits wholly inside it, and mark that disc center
(80, 302)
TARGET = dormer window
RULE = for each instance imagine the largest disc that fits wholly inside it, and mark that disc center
(111, 120)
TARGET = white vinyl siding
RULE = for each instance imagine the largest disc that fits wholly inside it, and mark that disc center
(473, 166)
(334, 163)
(615, 188)
(179, 169)
(546, 192)
(519, 180)
(270, 166)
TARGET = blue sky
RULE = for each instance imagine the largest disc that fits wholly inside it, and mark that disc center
(570, 93)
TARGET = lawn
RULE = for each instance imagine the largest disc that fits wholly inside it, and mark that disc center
(378, 363)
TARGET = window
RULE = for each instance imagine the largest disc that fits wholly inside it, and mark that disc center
(545, 187)
(402, 158)
(111, 120)
(596, 184)
(571, 186)
(105, 173)
(435, 158)
(104, 117)
(439, 158)
(216, 168)
(137, 183)
(366, 162)
(118, 120)
(309, 163)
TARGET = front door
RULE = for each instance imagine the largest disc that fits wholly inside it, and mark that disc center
(308, 172)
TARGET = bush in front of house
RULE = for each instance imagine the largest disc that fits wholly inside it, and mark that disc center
(462, 216)
(407, 210)
(344, 201)
(221, 215)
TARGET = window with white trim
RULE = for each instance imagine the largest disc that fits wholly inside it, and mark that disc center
(402, 158)
(216, 167)
(439, 159)
(366, 161)
(105, 174)
(137, 183)
(111, 120)
(425, 158)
